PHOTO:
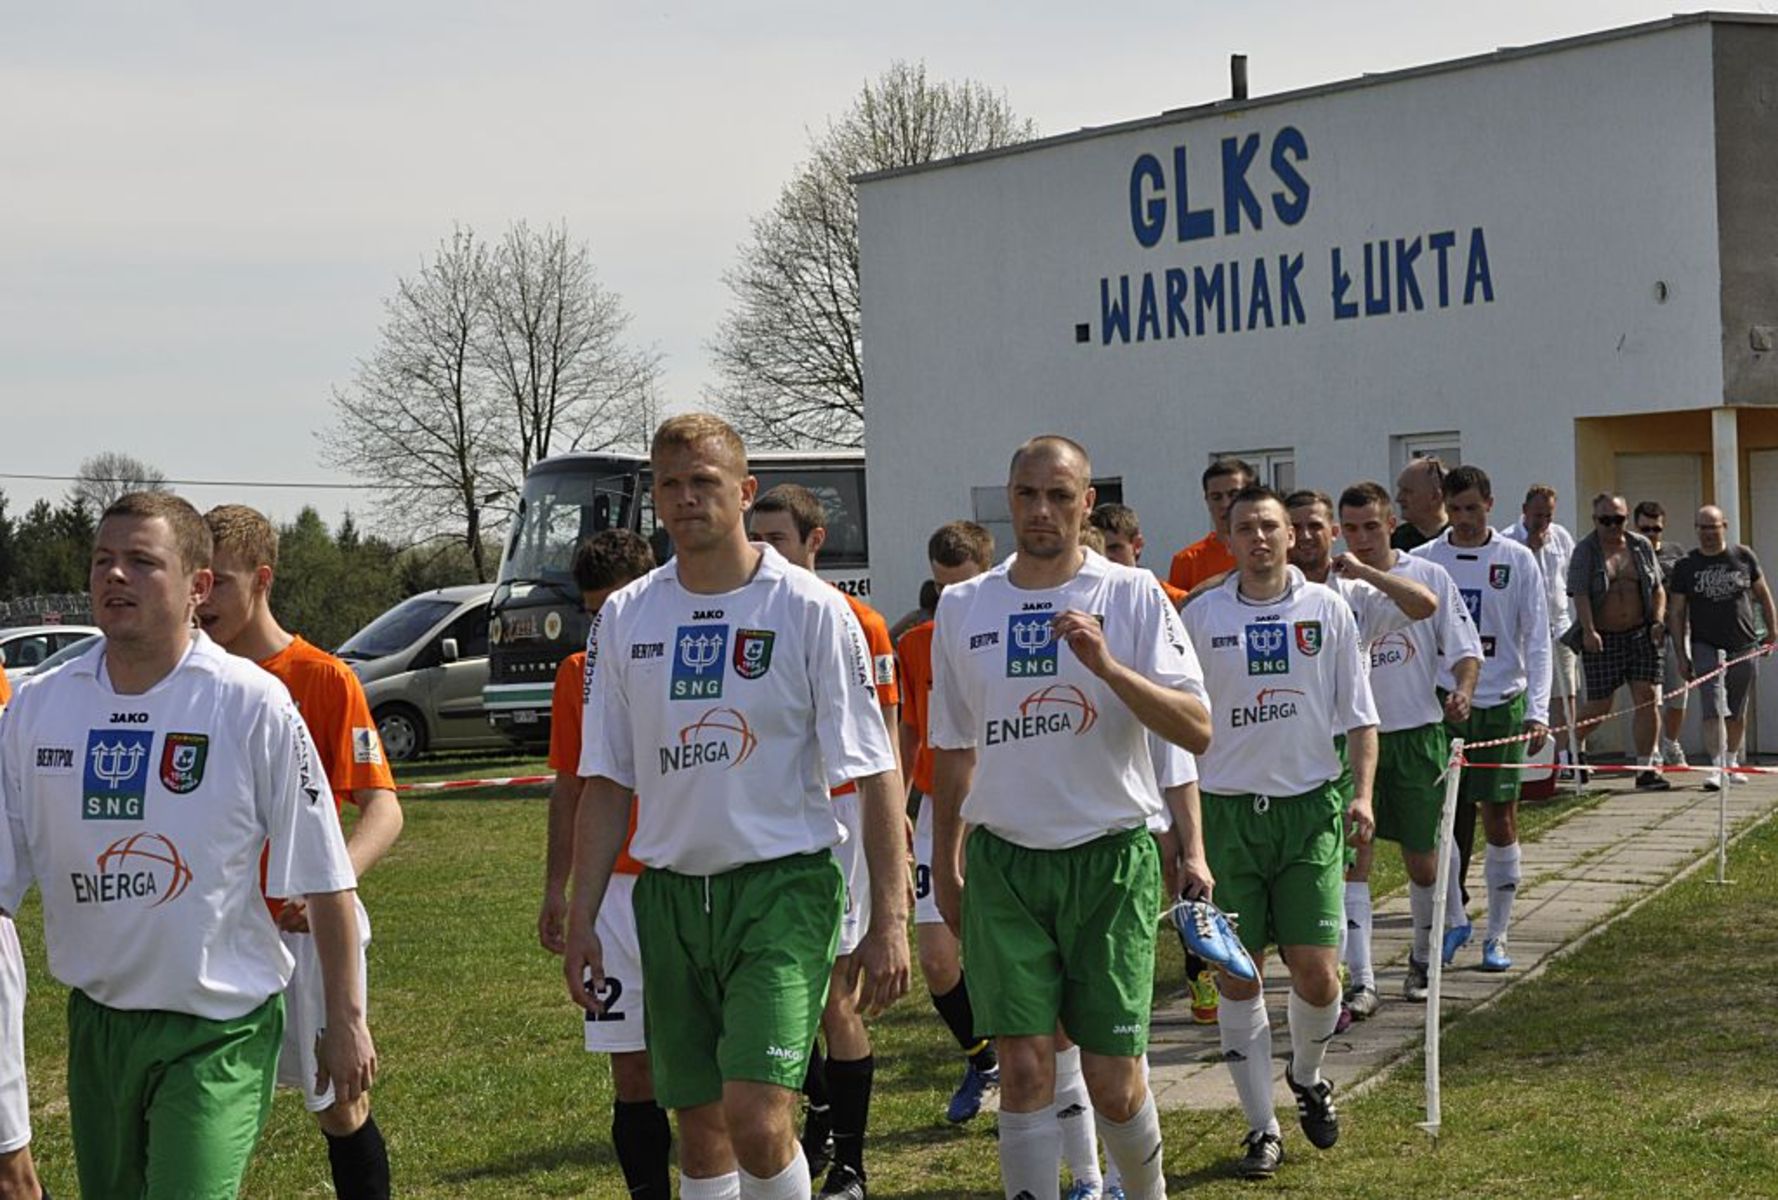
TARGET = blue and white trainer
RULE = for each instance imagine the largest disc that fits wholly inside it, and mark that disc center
(1209, 934)
(1494, 955)
(1456, 938)
(966, 1101)
(1082, 1190)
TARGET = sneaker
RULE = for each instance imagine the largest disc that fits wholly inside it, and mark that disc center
(1494, 955)
(1456, 938)
(843, 1183)
(1673, 754)
(966, 1101)
(1114, 1192)
(817, 1141)
(1203, 997)
(1210, 934)
(1083, 1190)
(1315, 1110)
(1343, 1022)
(1413, 987)
(1734, 779)
(1363, 1002)
(1653, 781)
(1713, 781)
(1264, 1152)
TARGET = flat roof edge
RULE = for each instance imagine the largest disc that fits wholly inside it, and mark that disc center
(1174, 116)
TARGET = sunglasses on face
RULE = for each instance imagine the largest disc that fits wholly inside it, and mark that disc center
(1650, 530)
(1610, 519)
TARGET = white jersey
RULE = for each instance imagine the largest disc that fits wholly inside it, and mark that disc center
(1552, 559)
(1503, 589)
(1405, 662)
(1375, 613)
(1284, 676)
(731, 715)
(1174, 766)
(142, 818)
(1060, 760)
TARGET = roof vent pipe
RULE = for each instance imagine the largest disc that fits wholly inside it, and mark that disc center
(1238, 76)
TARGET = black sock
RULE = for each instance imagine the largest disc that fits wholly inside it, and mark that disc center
(849, 1085)
(955, 1010)
(644, 1142)
(360, 1163)
(815, 1078)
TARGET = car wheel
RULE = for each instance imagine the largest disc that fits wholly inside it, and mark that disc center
(402, 731)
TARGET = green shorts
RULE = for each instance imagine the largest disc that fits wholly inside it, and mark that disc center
(1484, 725)
(1063, 935)
(735, 967)
(165, 1104)
(1278, 863)
(1408, 795)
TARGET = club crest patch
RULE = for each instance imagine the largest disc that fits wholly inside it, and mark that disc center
(1268, 648)
(114, 780)
(1030, 645)
(698, 662)
(753, 652)
(1499, 575)
(1308, 638)
(183, 756)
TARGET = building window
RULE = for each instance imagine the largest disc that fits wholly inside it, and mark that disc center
(1277, 467)
(1404, 448)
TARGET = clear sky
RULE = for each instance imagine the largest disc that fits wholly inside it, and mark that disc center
(204, 204)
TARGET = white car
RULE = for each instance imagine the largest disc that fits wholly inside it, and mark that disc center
(24, 647)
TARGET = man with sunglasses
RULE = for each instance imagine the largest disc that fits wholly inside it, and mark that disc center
(1614, 580)
(1650, 520)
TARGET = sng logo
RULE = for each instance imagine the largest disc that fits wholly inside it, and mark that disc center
(141, 866)
(1268, 649)
(1057, 708)
(1269, 704)
(1394, 649)
(720, 735)
(116, 776)
(1472, 600)
(1030, 646)
(698, 662)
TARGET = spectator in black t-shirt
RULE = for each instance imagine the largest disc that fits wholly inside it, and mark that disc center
(1713, 589)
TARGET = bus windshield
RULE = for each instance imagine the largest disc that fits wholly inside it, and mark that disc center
(558, 509)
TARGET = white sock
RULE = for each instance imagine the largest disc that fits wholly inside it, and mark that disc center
(1420, 910)
(1074, 1119)
(1246, 1034)
(792, 1183)
(1501, 870)
(717, 1187)
(1358, 933)
(1455, 917)
(1311, 1029)
(1135, 1145)
(1030, 1155)
(1113, 1179)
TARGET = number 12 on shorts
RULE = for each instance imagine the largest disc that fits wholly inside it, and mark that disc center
(607, 994)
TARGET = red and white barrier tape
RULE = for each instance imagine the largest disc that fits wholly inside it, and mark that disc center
(1617, 768)
(457, 784)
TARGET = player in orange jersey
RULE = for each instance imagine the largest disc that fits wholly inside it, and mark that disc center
(640, 1131)
(238, 617)
(792, 520)
(1209, 555)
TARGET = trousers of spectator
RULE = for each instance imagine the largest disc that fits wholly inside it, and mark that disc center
(1464, 835)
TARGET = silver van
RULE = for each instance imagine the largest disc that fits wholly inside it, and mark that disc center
(423, 665)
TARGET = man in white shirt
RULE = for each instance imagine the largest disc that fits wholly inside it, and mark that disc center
(1044, 753)
(731, 691)
(1553, 546)
(1283, 662)
(1504, 592)
(140, 784)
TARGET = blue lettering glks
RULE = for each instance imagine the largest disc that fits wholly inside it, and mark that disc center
(114, 779)
(1150, 189)
(699, 657)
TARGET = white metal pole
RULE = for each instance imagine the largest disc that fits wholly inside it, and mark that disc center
(1435, 959)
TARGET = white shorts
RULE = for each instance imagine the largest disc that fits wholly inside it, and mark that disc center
(305, 1012)
(1561, 672)
(15, 1101)
(618, 1030)
(925, 898)
(850, 853)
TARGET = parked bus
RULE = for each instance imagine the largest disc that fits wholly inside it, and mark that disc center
(535, 619)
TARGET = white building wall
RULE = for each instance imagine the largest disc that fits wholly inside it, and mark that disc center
(1590, 172)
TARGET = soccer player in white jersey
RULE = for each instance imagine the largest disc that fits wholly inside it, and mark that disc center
(18, 1173)
(1412, 745)
(732, 691)
(1502, 587)
(1283, 662)
(1043, 752)
(140, 783)
(1382, 603)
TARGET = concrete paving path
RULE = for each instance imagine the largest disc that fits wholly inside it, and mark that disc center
(1576, 875)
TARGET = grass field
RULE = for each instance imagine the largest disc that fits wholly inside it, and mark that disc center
(486, 1093)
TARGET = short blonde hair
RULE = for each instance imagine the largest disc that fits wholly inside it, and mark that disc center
(691, 429)
(244, 532)
(191, 537)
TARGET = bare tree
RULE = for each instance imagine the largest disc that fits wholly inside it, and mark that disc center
(788, 351)
(110, 474)
(420, 419)
(552, 343)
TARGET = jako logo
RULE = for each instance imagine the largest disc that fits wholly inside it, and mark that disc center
(720, 735)
(787, 1053)
(1057, 708)
(141, 866)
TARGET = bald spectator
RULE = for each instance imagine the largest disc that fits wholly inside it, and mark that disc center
(1420, 495)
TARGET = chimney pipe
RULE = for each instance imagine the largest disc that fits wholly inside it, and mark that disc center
(1238, 76)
